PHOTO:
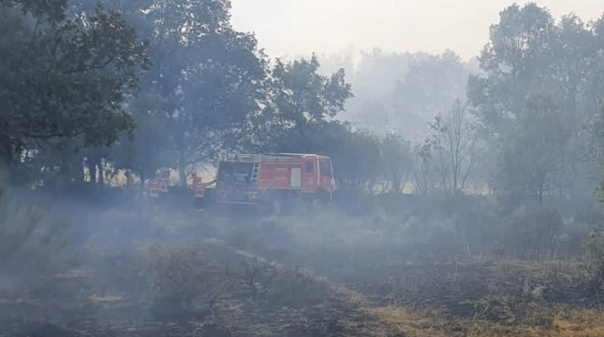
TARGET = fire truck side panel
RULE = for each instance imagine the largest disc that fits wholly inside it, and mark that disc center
(275, 176)
(301, 176)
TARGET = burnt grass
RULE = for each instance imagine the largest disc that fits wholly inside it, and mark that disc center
(224, 286)
(458, 286)
(205, 289)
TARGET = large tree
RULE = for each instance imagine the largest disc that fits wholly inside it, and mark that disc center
(209, 76)
(300, 103)
(64, 79)
(529, 55)
(533, 157)
(516, 62)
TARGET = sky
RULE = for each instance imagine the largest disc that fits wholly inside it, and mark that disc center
(301, 27)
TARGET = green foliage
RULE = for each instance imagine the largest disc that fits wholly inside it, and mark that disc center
(540, 87)
(211, 90)
(357, 160)
(516, 64)
(65, 79)
(302, 104)
(533, 156)
(206, 81)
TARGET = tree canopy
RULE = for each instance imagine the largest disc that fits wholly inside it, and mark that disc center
(64, 79)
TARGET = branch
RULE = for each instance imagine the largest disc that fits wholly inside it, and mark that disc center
(89, 67)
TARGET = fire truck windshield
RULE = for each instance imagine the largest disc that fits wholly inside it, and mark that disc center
(325, 167)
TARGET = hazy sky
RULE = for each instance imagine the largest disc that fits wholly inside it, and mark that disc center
(289, 27)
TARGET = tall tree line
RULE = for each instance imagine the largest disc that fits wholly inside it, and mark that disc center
(146, 85)
(540, 92)
(531, 106)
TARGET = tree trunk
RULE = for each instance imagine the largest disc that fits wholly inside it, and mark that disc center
(79, 175)
(101, 174)
(91, 170)
(143, 176)
(182, 175)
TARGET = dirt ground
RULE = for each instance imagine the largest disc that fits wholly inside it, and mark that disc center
(279, 277)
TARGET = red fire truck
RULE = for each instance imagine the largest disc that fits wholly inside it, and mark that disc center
(274, 180)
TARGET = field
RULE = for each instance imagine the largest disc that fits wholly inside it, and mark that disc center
(189, 274)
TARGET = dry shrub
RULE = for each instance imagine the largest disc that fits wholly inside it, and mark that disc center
(259, 275)
(176, 277)
(290, 287)
(595, 247)
(299, 288)
(532, 232)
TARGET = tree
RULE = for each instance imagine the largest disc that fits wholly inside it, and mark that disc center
(516, 62)
(424, 175)
(217, 78)
(64, 79)
(220, 91)
(301, 102)
(454, 146)
(397, 161)
(357, 160)
(210, 77)
(530, 54)
(534, 154)
(146, 152)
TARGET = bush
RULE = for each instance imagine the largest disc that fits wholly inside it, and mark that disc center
(290, 287)
(258, 275)
(531, 233)
(176, 279)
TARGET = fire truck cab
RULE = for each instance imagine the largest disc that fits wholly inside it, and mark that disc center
(270, 178)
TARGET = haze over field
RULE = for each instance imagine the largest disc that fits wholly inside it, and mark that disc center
(291, 27)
